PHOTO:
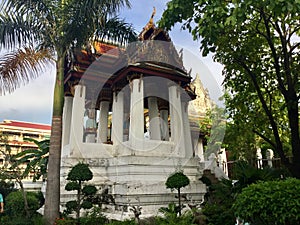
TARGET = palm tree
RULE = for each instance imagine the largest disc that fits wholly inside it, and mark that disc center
(45, 30)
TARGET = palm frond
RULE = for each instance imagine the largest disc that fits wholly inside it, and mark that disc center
(19, 67)
(28, 6)
(117, 30)
(36, 159)
(17, 30)
(86, 16)
(26, 154)
(101, 7)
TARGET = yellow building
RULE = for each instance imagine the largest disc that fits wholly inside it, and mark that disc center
(14, 133)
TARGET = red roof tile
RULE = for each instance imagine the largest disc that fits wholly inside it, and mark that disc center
(21, 124)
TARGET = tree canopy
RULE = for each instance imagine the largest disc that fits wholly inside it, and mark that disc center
(258, 44)
(177, 180)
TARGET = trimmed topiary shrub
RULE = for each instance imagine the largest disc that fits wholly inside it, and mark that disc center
(270, 202)
(77, 177)
(177, 181)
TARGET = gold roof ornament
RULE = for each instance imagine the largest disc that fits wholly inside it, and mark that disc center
(150, 26)
(158, 51)
(151, 19)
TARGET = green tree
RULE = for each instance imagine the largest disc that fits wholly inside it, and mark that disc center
(258, 44)
(240, 141)
(177, 181)
(14, 172)
(36, 158)
(47, 30)
(213, 127)
(13, 167)
(78, 175)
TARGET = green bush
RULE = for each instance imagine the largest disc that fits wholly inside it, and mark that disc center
(221, 195)
(65, 221)
(270, 202)
(14, 205)
(125, 222)
(94, 217)
(218, 214)
(186, 218)
(36, 219)
(171, 218)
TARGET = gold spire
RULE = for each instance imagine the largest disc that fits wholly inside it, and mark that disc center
(149, 26)
(153, 14)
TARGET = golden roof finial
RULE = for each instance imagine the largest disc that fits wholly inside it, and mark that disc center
(149, 25)
(153, 14)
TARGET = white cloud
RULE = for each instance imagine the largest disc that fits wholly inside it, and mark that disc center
(32, 102)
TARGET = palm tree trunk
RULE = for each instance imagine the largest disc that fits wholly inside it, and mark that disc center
(52, 200)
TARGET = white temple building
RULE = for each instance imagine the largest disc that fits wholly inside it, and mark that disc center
(126, 115)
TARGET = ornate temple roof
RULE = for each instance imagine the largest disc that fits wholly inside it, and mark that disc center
(200, 106)
(151, 32)
(153, 55)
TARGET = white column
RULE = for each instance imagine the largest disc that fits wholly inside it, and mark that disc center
(154, 122)
(199, 149)
(136, 127)
(67, 116)
(103, 122)
(175, 119)
(117, 118)
(77, 122)
(164, 124)
(188, 147)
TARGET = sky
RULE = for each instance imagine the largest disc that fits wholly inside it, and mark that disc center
(33, 102)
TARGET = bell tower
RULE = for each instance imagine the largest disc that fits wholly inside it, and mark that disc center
(126, 115)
